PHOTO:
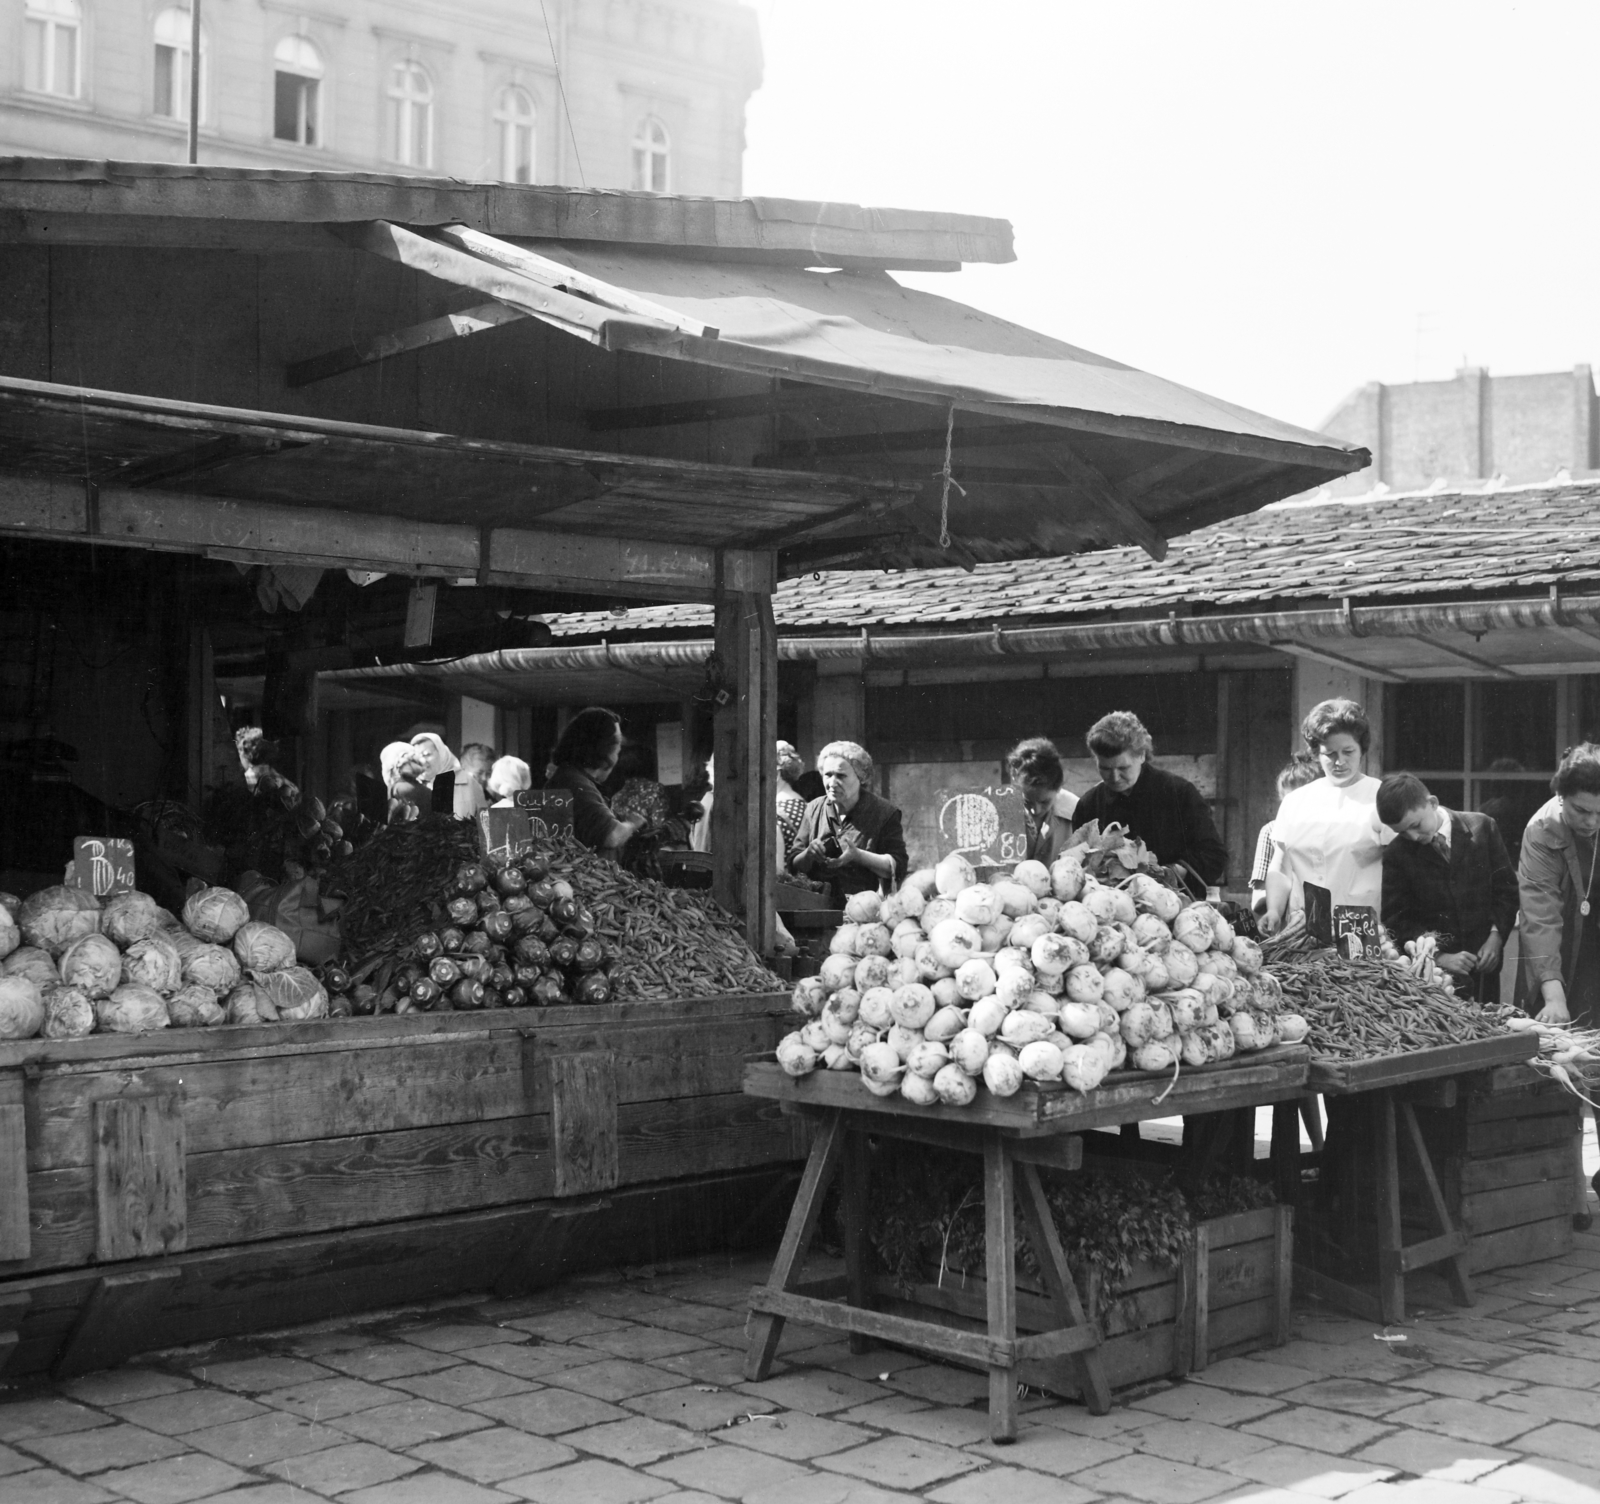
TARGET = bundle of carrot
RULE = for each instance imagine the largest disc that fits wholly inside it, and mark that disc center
(1360, 1009)
(1568, 1056)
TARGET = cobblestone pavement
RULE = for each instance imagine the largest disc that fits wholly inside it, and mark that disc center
(621, 1389)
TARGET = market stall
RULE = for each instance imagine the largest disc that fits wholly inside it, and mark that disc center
(187, 470)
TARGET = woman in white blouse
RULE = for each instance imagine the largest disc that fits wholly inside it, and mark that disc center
(1328, 832)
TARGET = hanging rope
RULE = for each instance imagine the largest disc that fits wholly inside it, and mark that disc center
(948, 479)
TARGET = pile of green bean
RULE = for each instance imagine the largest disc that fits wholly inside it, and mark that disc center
(1359, 1009)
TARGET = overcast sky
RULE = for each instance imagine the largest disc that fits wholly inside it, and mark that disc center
(1272, 202)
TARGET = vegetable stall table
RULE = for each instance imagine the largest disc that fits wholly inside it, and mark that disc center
(1359, 1262)
(189, 1184)
(1015, 1137)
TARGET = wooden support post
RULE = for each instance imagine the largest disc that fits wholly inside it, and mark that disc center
(141, 1196)
(1455, 1264)
(744, 820)
(118, 1319)
(1200, 1309)
(1283, 1281)
(1286, 1151)
(766, 1329)
(16, 1238)
(1391, 1278)
(1000, 1276)
(853, 1216)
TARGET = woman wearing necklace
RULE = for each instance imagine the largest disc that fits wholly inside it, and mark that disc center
(1559, 979)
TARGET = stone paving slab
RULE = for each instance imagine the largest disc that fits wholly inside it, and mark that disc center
(615, 1390)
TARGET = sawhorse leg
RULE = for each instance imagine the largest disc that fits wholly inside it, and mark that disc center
(853, 1215)
(765, 1330)
(1449, 1245)
(1091, 1367)
(1000, 1275)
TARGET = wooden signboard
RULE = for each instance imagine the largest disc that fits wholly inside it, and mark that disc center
(538, 815)
(102, 865)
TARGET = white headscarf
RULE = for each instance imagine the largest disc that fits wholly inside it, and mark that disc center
(508, 776)
(436, 757)
(399, 760)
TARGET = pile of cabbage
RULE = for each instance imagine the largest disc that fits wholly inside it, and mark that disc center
(71, 966)
(1048, 975)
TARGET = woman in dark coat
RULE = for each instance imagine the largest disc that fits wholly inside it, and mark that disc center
(850, 837)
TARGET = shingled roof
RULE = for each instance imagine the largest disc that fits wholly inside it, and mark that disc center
(1376, 547)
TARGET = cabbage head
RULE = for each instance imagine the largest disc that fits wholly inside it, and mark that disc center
(68, 1012)
(263, 947)
(21, 1008)
(211, 966)
(34, 964)
(10, 903)
(194, 1007)
(153, 963)
(53, 918)
(93, 964)
(129, 917)
(10, 935)
(248, 1004)
(215, 915)
(132, 1009)
(295, 993)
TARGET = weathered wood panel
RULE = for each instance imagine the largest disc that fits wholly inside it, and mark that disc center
(140, 1197)
(1530, 1243)
(15, 1236)
(1489, 1211)
(326, 1090)
(583, 1121)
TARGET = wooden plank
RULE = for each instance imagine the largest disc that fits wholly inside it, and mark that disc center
(1063, 1342)
(13, 1308)
(1441, 1248)
(1536, 1166)
(583, 1122)
(1490, 1211)
(973, 1347)
(16, 1237)
(1507, 1136)
(1245, 1328)
(1283, 1278)
(1449, 1245)
(1352, 1299)
(855, 1190)
(1199, 1345)
(118, 1320)
(1088, 483)
(140, 1197)
(352, 357)
(1000, 1277)
(1386, 1154)
(268, 532)
(1343, 1076)
(1526, 1243)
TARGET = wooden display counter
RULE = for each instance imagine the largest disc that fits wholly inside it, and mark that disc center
(193, 1183)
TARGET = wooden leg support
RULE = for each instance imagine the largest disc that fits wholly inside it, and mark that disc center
(1090, 1365)
(1286, 1152)
(118, 1320)
(1391, 1277)
(1449, 1244)
(853, 1214)
(1000, 1274)
(766, 1329)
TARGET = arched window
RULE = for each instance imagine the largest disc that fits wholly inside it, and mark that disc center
(514, 114)
(411, 115)
(172, 65)
(297, 92)
(652, 156)
(52, 47)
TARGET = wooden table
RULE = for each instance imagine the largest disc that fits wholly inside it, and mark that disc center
(1015, 1137)
(1382, 1097)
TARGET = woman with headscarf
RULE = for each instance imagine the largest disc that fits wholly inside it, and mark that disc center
(437, 760)
(791, 807)
(402, 765)
(850, 836)
(584, 758)
(507, 778)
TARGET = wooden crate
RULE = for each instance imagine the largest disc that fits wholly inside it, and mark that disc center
(1507, 1155)
(203, 1181)
(1231, 1295)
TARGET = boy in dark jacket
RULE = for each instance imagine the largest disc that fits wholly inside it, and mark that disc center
(1448, 875)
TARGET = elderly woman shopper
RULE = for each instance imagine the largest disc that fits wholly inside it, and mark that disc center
(1559, 978)
(584, 758)
(1034, 768)
(850, 837)
(507, 778)
(1328, 832)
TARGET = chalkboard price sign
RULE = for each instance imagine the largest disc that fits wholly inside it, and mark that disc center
(986, 823)
(537, 815)
(102, 865)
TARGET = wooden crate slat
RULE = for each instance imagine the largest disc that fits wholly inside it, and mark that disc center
(140, 1195)
(1343, 1076)
(1529, 1243)
(287, 1096)
(1489, 1211)
(1553, 1162)
(583, 1121)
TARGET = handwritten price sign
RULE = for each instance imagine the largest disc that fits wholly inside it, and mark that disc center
(103, 865)
(539, 814)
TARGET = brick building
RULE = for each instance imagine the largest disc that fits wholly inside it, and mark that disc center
(1473, 427)
(655, 90)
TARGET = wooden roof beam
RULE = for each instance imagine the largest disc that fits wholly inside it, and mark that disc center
(1087, 482)
(914, 441)
(368, 352)
(1461, 655)
(1338, 660)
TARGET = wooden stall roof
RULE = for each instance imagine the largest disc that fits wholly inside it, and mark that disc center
(151, 472)
(1053, 450)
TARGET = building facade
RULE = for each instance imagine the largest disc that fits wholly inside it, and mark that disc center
(641, 94)
(1473, 427)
